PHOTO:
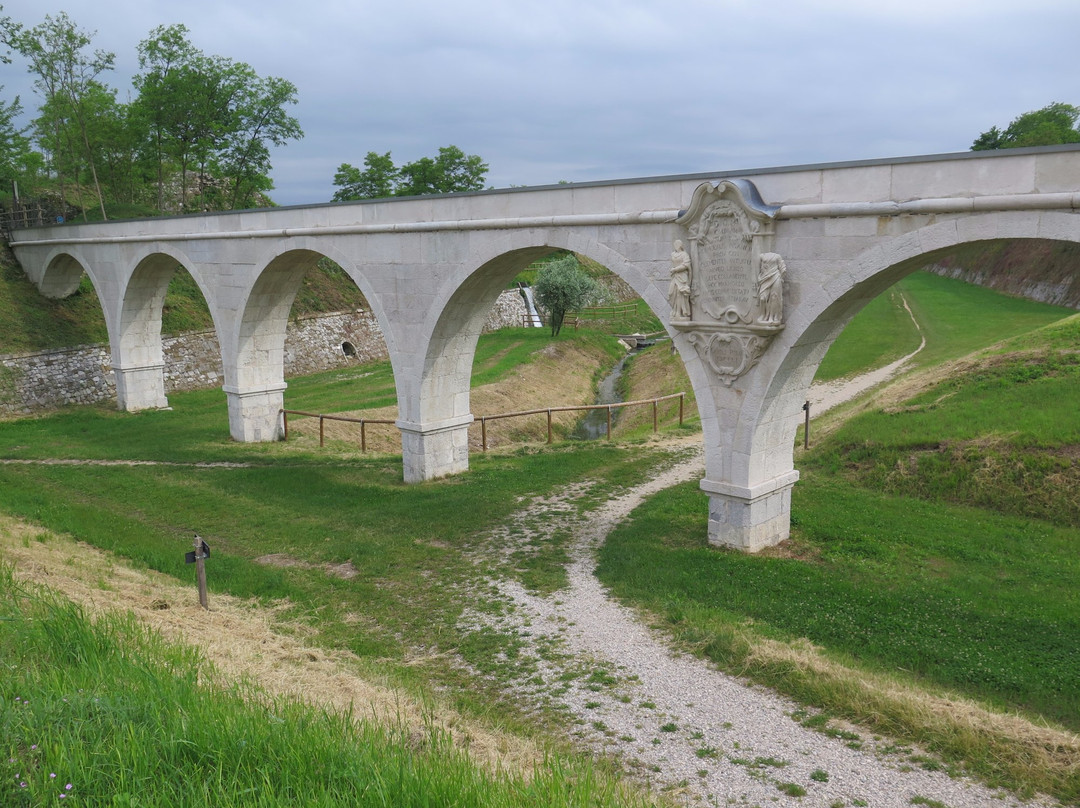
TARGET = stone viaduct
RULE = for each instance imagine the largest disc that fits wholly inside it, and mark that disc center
(754, 274)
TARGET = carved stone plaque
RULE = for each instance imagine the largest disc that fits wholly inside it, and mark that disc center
(735, 302)
(722, 253)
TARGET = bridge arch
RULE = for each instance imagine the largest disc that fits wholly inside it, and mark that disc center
(771, 413)
(62, 275)
(253, 350)
(137, 356)
(434, 405)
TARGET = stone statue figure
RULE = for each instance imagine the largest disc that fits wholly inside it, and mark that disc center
(770, 288)
(679, 287)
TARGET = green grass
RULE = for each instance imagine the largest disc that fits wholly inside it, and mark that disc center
(1003, 437)
(935, 541)
(105, 713)
(978, 603)
(955, 317)
(881, 333)
(410, 544)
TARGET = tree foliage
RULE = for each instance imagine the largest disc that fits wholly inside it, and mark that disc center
(562, 286)
(66, 76)
(452, 171)
(378, 179)
(211, 116)
(197, 135)
(1052, 125)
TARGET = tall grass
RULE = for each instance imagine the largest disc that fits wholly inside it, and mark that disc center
(106, 714)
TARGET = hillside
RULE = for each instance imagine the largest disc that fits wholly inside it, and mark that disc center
(1047, 271)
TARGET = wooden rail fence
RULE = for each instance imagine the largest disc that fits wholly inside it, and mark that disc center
(483, 419)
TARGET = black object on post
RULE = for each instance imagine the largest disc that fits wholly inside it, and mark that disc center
(197, 557)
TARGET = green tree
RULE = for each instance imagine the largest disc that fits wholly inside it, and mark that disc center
(14, 144)
(452, 171)
(160, 104)
(377, 180)
(1052, 125)
(562, 286)
(66, 77)
(211, 117)
(258, 120)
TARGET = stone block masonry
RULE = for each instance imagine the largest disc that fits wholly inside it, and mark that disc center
(44, 380)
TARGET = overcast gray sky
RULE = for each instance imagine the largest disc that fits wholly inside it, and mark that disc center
(579, 90)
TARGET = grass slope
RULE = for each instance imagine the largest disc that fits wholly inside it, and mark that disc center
(934, 547)
(105, 713)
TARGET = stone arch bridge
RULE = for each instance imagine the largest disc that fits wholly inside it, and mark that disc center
(754, 275)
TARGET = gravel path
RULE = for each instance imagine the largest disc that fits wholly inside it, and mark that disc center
(673, 720)
(823, 396)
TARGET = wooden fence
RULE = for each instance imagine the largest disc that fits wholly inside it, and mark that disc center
(483, 419)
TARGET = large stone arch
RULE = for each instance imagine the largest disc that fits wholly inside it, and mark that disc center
(253, 355)
(62, 274)
(771, 413)
(434, 403)
(137, 357)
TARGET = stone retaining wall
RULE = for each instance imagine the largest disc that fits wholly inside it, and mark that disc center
(83, 374)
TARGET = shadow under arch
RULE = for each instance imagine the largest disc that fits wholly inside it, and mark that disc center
(813, 330)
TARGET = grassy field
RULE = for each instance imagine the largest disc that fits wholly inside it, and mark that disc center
(900, 583)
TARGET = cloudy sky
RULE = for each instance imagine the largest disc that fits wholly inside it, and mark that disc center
(580, 90)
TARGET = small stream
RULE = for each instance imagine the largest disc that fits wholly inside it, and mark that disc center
(594, 424)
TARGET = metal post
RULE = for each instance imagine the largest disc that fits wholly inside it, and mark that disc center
(682, 398)
(483, 433)
(806, 426)
(609, 422)
(363, 436)
(320, 431)
(200, 570)
(655, 423)
(549, 426)
(284, 425)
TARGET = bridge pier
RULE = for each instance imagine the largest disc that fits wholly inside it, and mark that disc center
(435, 449)
(750, 519)
(140, 387)
(255, 413)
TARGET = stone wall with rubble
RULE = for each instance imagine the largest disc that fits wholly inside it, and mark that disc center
(43, 380)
